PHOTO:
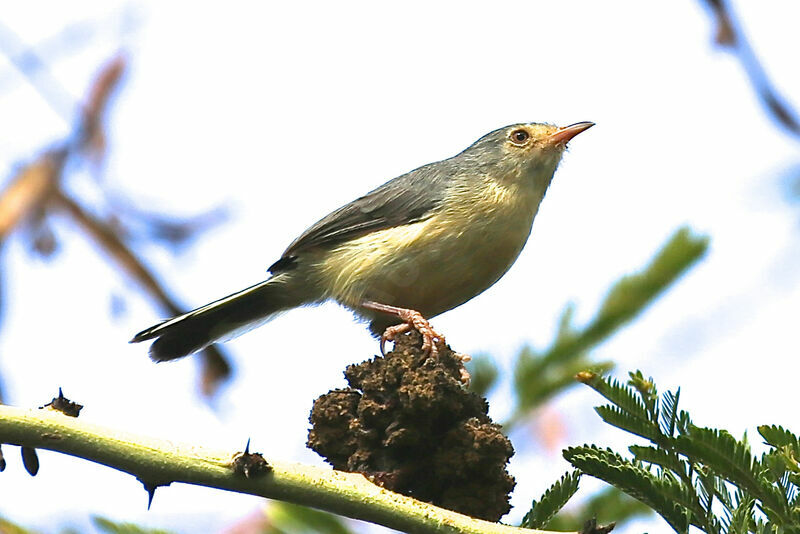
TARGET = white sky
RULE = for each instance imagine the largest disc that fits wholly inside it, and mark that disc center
(283, 111)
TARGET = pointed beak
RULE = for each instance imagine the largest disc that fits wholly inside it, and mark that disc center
(566, 133)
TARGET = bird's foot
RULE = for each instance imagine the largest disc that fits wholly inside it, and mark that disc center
(412, 319)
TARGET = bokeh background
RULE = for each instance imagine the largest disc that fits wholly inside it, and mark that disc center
(236, 126)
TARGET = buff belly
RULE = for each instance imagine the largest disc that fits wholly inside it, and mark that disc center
(430, 266)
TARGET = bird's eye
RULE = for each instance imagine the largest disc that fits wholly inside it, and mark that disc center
(520, 137)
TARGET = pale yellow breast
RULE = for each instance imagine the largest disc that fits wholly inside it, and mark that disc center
(436, 264)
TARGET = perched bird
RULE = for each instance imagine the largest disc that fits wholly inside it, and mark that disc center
(417, 246)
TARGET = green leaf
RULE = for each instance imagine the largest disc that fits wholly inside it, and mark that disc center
(732, 460)
(112, 527)
(7, 527)
(552, 501)
(483, 373)
(286, 518)
(630, 294)
(707, 488)
(724, 454)
(661, 457)
(619, 394)
(648, 393)
(669, 412)
(540, 374)
(723, 493)
(669, 497)
(620, 419)
(777, 463)
(777, 436)
(740, 520)
(558, 379)
(609, 506)
(697, 467)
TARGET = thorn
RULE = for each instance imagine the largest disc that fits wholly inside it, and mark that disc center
(64, 405)
(151, 487)
(30, 460)
(250, 465)
(151, 492)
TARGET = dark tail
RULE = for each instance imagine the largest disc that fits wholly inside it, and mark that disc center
(220, 320)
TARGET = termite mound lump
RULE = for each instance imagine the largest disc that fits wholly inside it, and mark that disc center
(407, 423)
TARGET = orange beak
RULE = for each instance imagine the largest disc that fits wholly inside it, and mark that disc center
(566, 133)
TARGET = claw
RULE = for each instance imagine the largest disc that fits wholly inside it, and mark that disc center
(412, 319)
(391, 333)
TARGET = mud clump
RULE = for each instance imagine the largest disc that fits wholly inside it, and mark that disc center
(407, 423)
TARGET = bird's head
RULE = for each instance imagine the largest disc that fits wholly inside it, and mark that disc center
(521, 151)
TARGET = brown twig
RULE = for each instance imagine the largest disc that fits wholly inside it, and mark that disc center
(28, 190)
(107, 239)
(37, 188)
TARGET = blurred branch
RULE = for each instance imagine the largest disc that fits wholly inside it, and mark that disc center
(37, 187)
(172, 231)
(29, 190)
(729, 35)
(35, 70)
(107, 239)
(158, 463)
(73, 38)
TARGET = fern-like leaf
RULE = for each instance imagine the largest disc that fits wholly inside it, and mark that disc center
(723, 493)
(777, 436)
(669, 412)
(661, 457)
(552, 501)
(741, 518)
(786, 451)
(723, 453)
(647, 391)
(732, 460)
(622, 419)
(671, 499)
(618, 393)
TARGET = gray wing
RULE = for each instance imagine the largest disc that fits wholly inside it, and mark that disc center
(406, 199)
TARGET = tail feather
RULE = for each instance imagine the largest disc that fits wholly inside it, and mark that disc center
(221, 319)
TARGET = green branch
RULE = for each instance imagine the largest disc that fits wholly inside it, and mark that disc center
(539, 375)
(158, 463)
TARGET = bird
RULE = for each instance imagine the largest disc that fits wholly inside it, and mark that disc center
(417, 246)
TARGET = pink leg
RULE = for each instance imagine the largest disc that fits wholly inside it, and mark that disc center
(411, 319)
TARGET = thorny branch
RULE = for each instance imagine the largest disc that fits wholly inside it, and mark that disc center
(158, 463)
